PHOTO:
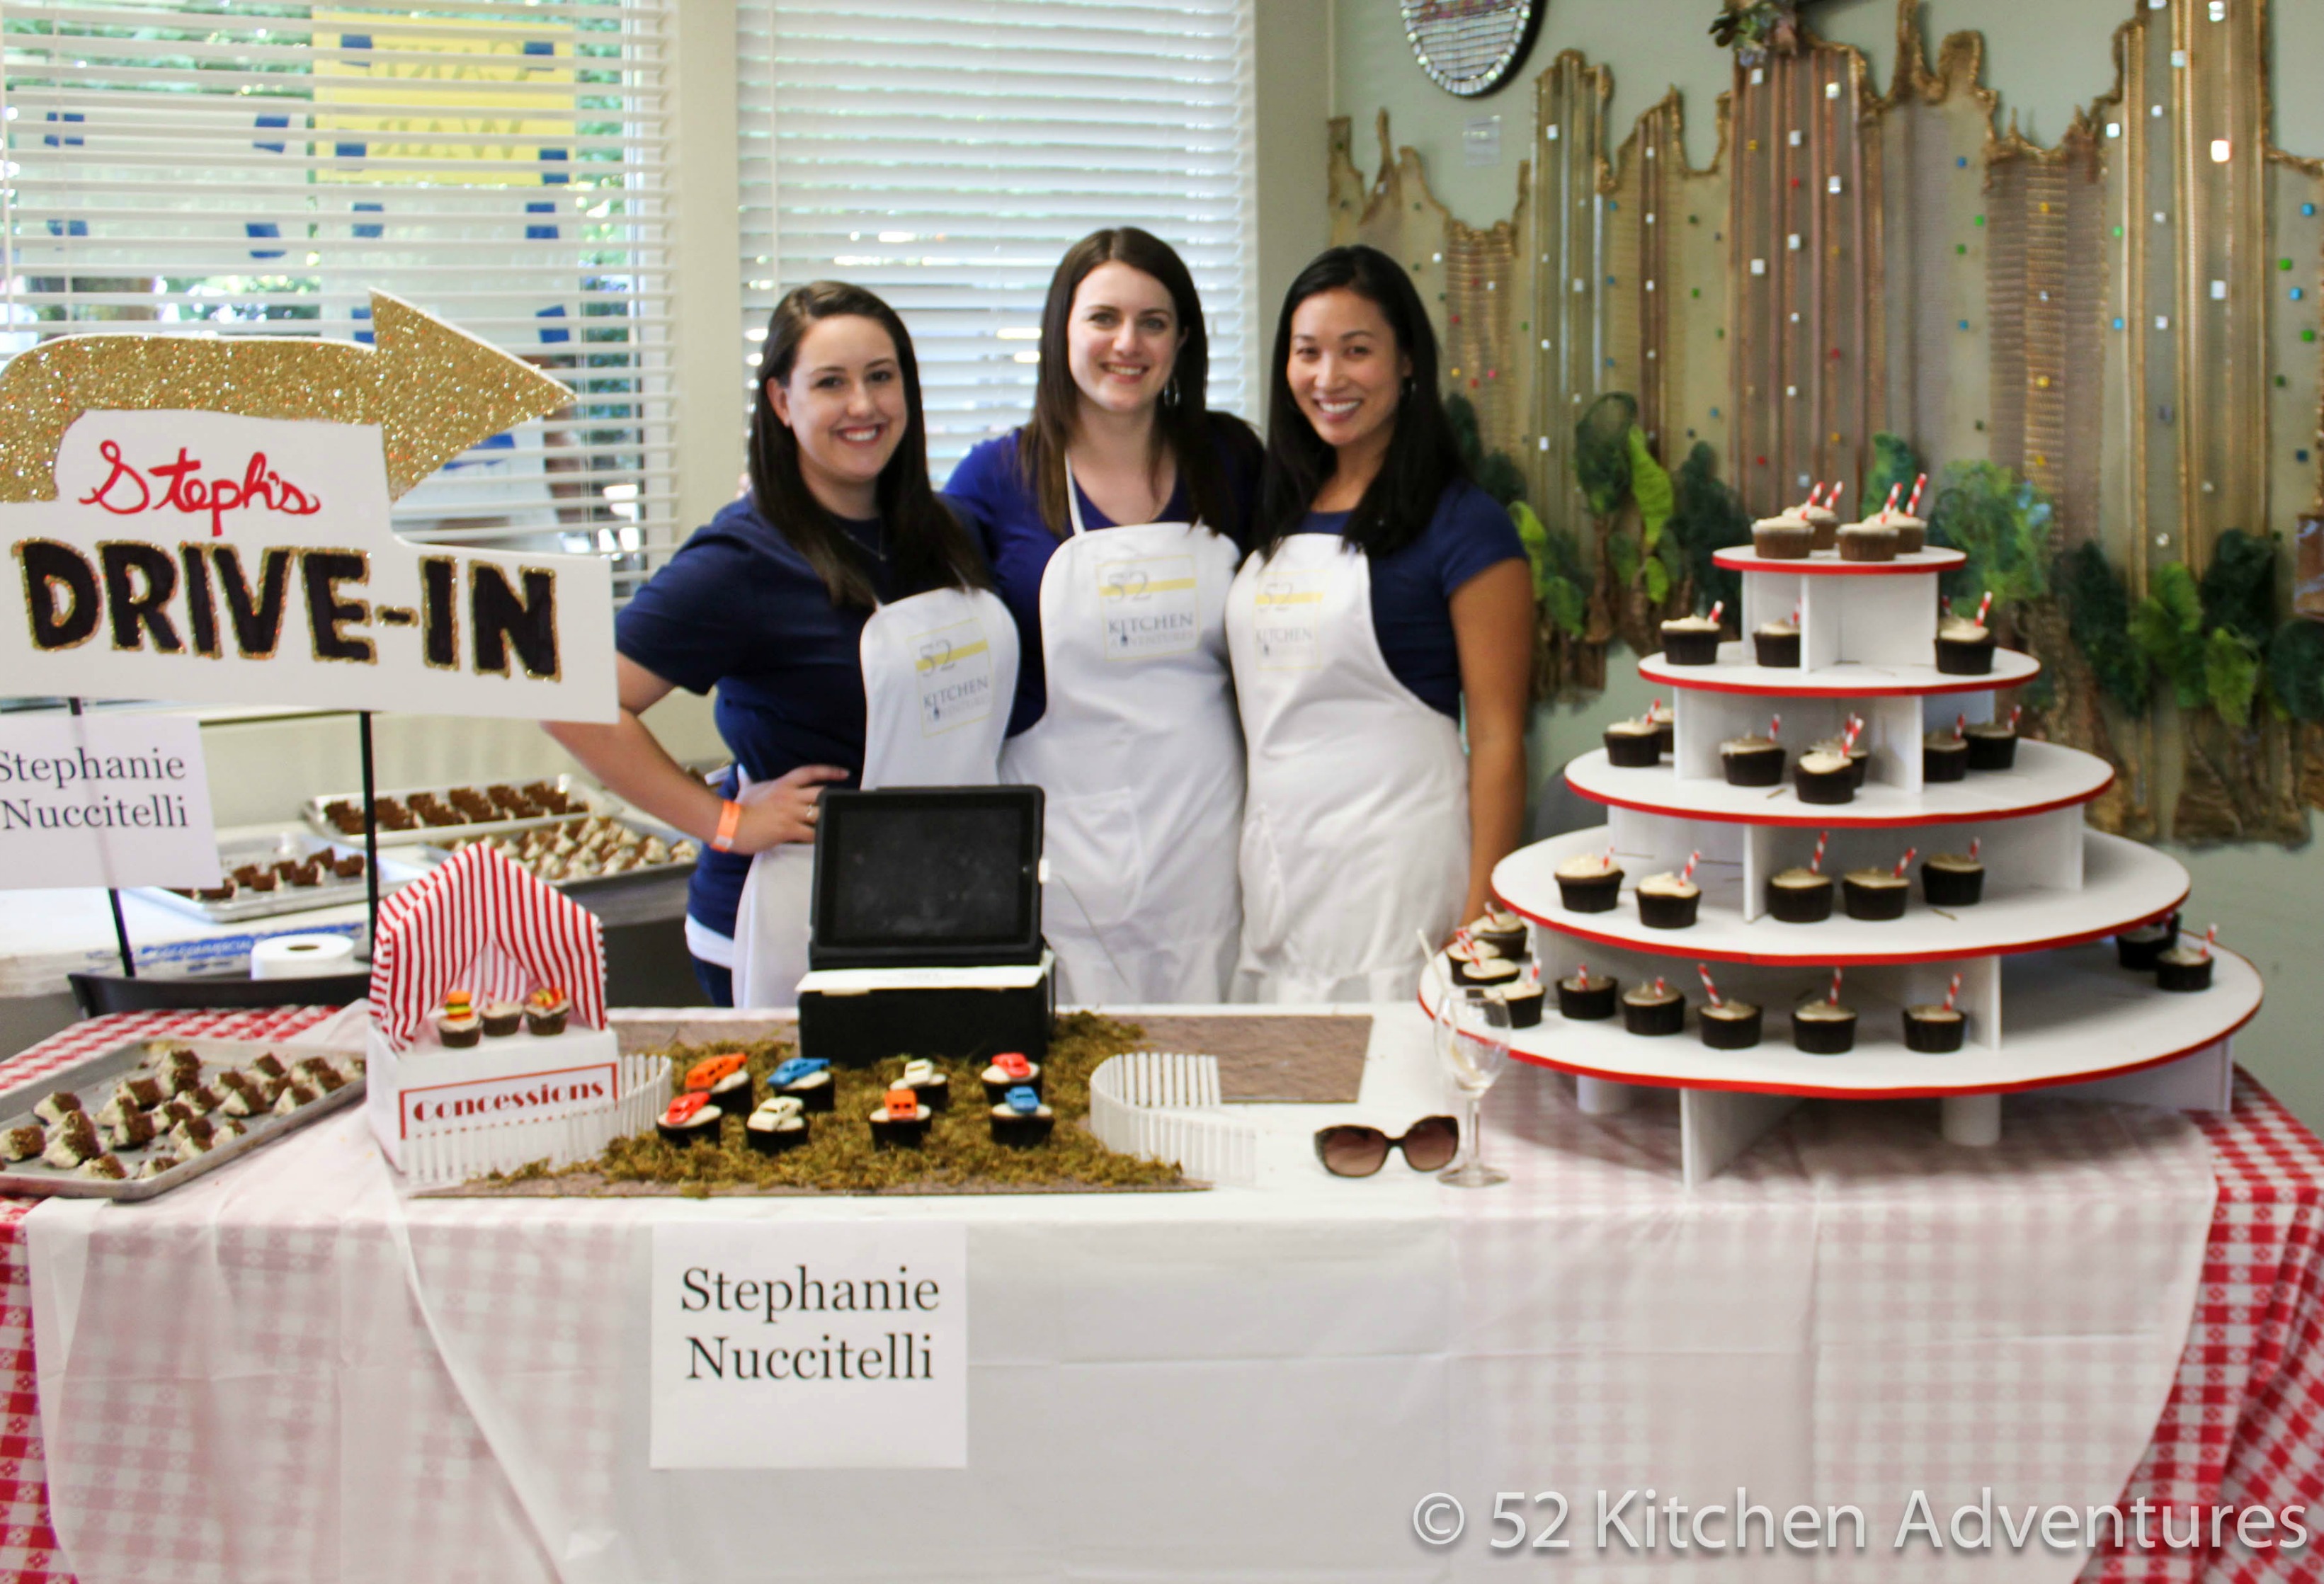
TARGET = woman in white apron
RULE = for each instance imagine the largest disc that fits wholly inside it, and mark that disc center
(1387, 598)
(1113, 521)
(845, 619)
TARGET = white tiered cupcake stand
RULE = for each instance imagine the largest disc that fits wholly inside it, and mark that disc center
(2047, 1006)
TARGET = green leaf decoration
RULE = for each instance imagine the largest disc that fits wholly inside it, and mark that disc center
(1893, 463)
(1707, 518)
(1622, 551)
(1534, 537)
(2001, 523)
(1602, 452)
(2174, 586)
(1650, 487)
(2238, 587)
(1658, 579)
(2231, 669)
(1563, 601)
(2098, 619)
(2295, 668)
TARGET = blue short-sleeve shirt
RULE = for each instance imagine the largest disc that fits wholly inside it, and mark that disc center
(990, 491)
(738, 609)
(1412, 588)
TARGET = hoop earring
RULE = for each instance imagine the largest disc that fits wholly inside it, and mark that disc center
(1170, 393)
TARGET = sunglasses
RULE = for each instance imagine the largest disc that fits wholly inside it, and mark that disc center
(1346, 1150)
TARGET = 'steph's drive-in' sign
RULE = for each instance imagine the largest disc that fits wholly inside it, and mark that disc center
(818, 1345)
(206, 520)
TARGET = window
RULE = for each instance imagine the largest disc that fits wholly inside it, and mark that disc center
(945, 155)
(240, 169)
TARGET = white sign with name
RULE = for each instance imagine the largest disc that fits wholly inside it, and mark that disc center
(810, 1345)
(104, 800)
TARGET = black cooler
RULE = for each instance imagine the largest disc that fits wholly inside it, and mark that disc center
(926, 932)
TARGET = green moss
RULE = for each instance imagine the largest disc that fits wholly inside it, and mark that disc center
(2097, 617)
(2295, 668)
(1706, 517)
(1602, 452)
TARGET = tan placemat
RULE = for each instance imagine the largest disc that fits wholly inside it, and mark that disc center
(1284, 1059)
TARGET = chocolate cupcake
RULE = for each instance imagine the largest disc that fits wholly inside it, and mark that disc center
(1653, 1009)
(1021, 1121)
(1934, 1029)
(1505, 932)
(1911, 533)
(1634, 745)
(1800, 895)
(900, 1123)
(2138, 948)
(1964, 647)
(807, 1079)
(922, 1079)
(1786, 537)
(1591, 883)
(2183, 968)
(1824, 777)
(1660, 716)
(1490, 973)
(1524, 1003)
(779, 1125)
(1465, 959)
(1944, 757)
(501, 1018)
(1691, 641)
(1776, 643)
(690, 1119)
(1752, 762)
(1874, 895)
(1992, 745)
(1868, 541)
(1821, 1028)
(1858, 757)
(1587, 998)
(1729, 1026)
(458, 1030)
(545, 1010)
(1010, 1070)
(1668, 901)
(726, 1080)
(1823, 524)
(1952, 879)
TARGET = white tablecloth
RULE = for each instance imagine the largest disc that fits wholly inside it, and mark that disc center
(289, 1372)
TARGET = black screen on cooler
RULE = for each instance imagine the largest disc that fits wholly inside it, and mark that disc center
(908, 871)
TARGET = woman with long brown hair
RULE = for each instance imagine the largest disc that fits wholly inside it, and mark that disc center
(1114, 522)
(844, 617)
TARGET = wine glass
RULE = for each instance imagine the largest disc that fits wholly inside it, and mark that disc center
(1473, 1043)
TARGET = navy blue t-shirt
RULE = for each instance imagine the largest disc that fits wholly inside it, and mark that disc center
(1412, 588)
(739, 610)
(990, 491)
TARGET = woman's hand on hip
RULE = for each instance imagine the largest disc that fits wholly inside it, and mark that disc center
(783, 809)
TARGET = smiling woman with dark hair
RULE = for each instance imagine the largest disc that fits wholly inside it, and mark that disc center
(1387, 601)
(813, 605)
(1113, 521)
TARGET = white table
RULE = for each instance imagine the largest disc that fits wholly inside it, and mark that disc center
(291, 1371)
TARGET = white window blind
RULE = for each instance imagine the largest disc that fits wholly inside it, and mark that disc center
(945, 153)
(258, 169)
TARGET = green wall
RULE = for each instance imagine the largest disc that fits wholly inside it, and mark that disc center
(2045, 58)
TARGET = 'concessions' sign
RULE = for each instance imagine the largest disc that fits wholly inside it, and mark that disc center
(104, 800)
(185, 551)
(809, 1345)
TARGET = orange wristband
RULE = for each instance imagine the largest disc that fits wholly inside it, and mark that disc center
(730, 820)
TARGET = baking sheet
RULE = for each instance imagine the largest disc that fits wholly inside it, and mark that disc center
(619, 814)
(594, 798)
(286, 897)
(93, 1079)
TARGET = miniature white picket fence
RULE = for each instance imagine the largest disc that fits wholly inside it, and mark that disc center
(1165, 1106)
(463, 1153)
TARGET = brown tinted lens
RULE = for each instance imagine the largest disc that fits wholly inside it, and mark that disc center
(1351, 1152)
(1430, 1142)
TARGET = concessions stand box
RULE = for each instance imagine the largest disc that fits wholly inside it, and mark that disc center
(925, 926)
(484, 925)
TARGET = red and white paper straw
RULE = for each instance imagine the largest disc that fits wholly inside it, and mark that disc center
(1815, 864)
(1708, 989)
(1952, 992)
(1913, 507)
(1905, 863)
(1984, 606)
(2211, 939)
(1686, 875)
(1834, 996)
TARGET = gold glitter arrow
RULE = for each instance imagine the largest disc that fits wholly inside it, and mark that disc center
(433, 390)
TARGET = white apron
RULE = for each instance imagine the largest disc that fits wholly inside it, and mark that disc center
(939, 676)
(1141, 763)
(1355, 835)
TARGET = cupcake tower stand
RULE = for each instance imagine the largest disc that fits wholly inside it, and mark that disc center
(2047, 1005)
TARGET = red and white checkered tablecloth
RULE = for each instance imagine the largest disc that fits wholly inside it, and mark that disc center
(2244, 1425)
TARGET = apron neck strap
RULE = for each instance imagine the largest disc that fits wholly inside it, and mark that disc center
(1073, 497)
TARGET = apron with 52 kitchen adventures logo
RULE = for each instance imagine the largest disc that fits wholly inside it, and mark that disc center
(939, 676)
(1139, 759)
(1356, 828)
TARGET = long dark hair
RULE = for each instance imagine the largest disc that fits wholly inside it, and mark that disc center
(1181, 421)
(928, 547)
(1423, 456)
